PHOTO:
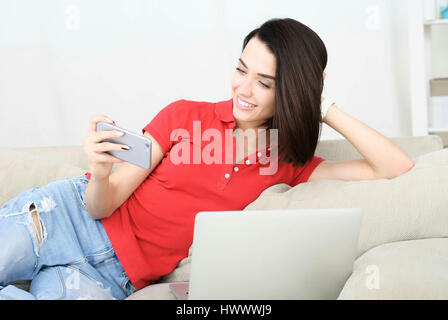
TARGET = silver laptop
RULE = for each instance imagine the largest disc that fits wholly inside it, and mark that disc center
(271, 254)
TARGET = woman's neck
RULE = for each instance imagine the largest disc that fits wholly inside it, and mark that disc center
(253, 134)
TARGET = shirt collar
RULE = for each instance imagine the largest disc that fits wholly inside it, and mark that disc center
(224, 111)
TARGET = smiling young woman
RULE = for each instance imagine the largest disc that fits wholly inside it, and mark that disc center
(278, 85)
(118, 232)
(280, 73)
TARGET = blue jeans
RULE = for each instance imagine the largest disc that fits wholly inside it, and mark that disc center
(66, 255)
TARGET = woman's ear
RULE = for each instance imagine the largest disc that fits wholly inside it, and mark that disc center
(325, 75)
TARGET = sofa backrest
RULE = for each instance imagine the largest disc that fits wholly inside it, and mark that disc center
(342, 150)
(335, 150)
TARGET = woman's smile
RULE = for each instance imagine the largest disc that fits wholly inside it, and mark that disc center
(244, 105)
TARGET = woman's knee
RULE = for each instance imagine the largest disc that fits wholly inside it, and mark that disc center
(17, 257)
(28, 216)
(22, 232)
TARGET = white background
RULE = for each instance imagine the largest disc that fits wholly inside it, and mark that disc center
(63, 61)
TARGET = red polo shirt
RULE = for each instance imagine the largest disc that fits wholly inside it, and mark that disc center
(153, 229)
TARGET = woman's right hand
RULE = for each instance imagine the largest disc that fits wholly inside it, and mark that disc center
(100, 163)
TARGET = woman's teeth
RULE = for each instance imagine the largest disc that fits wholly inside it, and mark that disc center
(245, 104)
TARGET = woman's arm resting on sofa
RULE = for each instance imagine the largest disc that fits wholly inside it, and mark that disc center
(382, 158)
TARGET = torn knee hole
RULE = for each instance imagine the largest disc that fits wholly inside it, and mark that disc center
(37, 225)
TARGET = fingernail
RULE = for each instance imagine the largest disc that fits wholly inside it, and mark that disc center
(111, 121)
(125, 147)
(119, 133)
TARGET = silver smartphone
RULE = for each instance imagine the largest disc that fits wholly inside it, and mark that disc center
(139, 153)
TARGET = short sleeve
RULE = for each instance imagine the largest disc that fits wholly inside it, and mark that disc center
(303, 173)
(163, 124)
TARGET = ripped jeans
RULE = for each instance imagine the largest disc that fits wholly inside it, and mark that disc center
(48, 237)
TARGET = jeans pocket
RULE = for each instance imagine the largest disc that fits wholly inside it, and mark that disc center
(102, 258)
(106, 263)
(126, 285)
(79, 185)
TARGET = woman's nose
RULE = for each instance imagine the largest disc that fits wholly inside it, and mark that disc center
(246, 88)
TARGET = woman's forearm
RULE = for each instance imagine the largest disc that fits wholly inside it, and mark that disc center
(385, 158)
(98, 198)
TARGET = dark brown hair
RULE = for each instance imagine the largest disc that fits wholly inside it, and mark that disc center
(301, 58)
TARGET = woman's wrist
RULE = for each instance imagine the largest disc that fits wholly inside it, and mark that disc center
(324, 106)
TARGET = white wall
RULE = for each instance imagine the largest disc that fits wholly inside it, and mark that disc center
(63, 61)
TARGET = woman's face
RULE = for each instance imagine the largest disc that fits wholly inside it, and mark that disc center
(253, 83)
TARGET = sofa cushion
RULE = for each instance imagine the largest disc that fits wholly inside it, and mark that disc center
(158, 291)
(393, 210)
(413, 269)
(411, 206)
(403, 270)
(20, 171)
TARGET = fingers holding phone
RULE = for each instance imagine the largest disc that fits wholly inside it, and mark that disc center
(138, 147)
(99, 161)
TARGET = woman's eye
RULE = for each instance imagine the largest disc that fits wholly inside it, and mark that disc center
(264, 85)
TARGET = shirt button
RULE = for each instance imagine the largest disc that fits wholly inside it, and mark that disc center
(236, 169)
(259, 154)
(247, 161)
(227, 175)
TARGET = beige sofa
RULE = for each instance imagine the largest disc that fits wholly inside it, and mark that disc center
(403, 244)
